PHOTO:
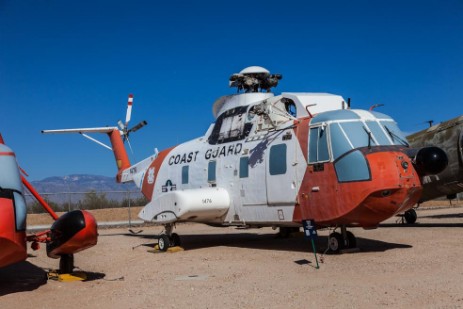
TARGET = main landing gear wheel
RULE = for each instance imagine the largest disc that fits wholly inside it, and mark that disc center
(410, 216)
(164, 242)
(175, 240)
(335, 242)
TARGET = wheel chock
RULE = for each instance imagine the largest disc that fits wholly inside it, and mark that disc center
(76, 276)
(170, 249)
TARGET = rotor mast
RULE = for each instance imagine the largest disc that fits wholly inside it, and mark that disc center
(254, 79)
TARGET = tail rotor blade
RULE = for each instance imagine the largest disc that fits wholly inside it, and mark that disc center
(129, 110)
(121, 125)
(140, 125)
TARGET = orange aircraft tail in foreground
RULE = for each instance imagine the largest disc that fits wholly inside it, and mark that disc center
(72, 232)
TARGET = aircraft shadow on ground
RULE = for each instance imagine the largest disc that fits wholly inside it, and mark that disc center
(269, 242)
(21, 277)
(458, 223)
(444, 216)
(418, 224)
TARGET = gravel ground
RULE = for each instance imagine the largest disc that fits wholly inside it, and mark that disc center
(397, 266)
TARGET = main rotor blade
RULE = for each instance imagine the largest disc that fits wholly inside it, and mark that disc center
(82, 130)
(130, 146)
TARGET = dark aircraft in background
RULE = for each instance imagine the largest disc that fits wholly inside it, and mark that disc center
(448, 136)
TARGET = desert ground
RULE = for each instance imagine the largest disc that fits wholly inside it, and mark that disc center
(397, 266)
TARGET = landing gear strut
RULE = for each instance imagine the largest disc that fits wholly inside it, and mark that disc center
(66, 264)
(340, 241)
(168, 239)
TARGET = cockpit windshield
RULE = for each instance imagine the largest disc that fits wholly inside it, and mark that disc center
(355, 134)
(348, 130)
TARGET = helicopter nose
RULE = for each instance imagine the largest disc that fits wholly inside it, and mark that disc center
(430, 160)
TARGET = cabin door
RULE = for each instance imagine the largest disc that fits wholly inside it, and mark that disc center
(253, 189)
(281, 174)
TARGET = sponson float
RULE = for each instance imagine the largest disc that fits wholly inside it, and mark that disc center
(274, 160)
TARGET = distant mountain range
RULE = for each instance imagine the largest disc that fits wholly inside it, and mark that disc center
(73, 189)
(81, 183)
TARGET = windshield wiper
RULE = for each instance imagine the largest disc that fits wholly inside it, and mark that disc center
(395, 136)
(369, 136)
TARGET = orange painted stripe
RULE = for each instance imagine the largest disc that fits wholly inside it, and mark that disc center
(7, 154)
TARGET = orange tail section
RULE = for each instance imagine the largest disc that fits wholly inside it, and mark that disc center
(120, 154)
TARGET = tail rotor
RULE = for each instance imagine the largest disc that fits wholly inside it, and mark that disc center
(124, 128)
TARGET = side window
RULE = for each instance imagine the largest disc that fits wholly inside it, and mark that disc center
(211, 171)
(185, 171)
(278, 159)
(318, 145)
(244, 167)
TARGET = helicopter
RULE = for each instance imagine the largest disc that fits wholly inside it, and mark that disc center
(70, 233)
(275, 160)
(448, 136)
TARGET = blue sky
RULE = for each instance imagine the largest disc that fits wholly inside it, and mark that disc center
(67, 64)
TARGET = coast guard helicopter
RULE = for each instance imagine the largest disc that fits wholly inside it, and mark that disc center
(72, 232)
(275, 160)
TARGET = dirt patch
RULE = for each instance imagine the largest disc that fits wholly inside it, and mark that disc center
(398, 266)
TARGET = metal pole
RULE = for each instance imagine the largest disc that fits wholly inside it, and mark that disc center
(130, 215)
(315, 253)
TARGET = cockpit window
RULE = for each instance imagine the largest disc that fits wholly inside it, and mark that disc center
(356, 133)
(349, 135)
(339, 142)
(379, 134)
(345, 130)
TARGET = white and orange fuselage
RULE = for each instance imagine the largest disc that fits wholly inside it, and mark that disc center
(276, 160)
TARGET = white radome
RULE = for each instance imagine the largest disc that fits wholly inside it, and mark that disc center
(254, 70)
